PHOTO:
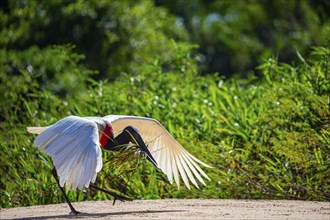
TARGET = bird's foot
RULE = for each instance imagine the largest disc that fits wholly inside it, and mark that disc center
(74, 213)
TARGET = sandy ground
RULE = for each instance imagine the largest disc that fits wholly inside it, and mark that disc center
(177, 209)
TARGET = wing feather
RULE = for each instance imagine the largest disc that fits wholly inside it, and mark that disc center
(192, 160)
(193, 169)
(36, 130)
(181, 168)
(88, 171)
(175, 169)
(73, 144)
(170, 156)
(187, 169)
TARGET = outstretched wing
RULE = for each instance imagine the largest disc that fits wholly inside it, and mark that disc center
(73, 144)
(170, 156)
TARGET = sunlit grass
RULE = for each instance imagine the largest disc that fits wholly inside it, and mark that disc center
(265, 139)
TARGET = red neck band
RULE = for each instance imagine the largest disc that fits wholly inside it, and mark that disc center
(107, 133)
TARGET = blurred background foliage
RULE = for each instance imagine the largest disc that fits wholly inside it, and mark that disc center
(236, 36)
(244, 85)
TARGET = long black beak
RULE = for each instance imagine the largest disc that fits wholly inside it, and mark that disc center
(145, 149)
(137, 139)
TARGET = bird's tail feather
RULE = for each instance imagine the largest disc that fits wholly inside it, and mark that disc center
(36, 130)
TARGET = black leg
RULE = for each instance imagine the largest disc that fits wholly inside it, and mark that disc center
(111, 193)
(73, 211)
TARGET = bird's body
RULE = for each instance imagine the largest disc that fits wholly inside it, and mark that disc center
(75, 145)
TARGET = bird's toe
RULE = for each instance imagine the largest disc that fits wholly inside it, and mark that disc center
(74, 213)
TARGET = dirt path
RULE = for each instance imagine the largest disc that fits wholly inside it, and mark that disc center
(178, 209)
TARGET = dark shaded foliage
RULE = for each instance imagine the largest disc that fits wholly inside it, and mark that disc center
(236, 36)
(266, 134)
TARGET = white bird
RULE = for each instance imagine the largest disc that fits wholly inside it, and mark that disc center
(74, 144)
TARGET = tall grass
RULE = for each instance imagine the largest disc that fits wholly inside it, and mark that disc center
(266, 137)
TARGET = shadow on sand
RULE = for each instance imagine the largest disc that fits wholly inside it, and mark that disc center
(99, 215)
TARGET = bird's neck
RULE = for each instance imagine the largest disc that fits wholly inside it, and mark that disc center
(106, 134)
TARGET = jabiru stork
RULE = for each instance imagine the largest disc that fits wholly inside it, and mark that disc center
(75, 145)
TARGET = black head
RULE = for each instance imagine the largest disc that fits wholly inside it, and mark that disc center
(136, 138)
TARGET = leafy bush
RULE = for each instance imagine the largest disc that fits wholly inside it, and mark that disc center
(30, 81)
(265, 139)
(115, 36)
(266, 136)
(236, 36)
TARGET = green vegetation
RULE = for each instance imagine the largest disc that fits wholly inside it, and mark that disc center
(264, 130)
(236, 36)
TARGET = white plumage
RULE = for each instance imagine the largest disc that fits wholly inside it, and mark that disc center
(74, 145)
(170, 156)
